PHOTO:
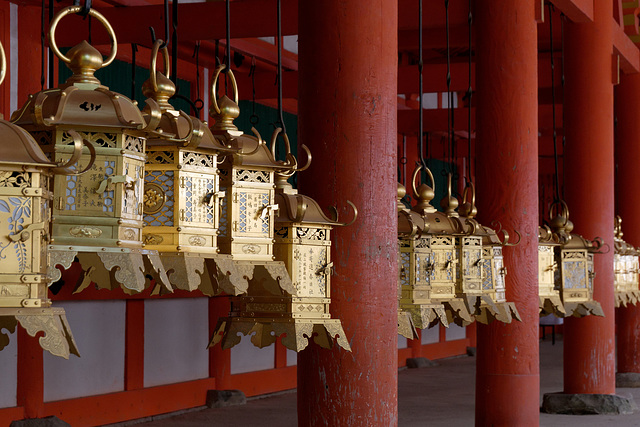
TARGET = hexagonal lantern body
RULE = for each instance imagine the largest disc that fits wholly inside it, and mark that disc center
(625, 269)
(426, 266)
(575, 259)
(182, 193)
(97, 216)
(25, 195)
(548, 274)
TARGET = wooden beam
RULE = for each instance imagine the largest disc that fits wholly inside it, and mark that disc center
(196, 21)
(626, 49)
(576, 10)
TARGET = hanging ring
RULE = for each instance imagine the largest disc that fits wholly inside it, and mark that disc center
(157, 46)
(3, 64)
(469, 187)
(70, 10)
(563, 213)
(214, 87)
(415, 175)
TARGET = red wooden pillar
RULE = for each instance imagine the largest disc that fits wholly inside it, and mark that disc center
(627, 153)
(589, 342)
(348, 56)
(507, 191)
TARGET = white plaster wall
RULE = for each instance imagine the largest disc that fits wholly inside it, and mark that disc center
(455, 332)
(245, 357)
(98, 328)
(175, 340)
(402, 341)
(431, 335)
(8, 372)
(292, 358)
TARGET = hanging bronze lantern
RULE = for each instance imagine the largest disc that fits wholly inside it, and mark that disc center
(303, 244)
(441, 269)
(626, 267)
(248, 207)
(574, 257)
(97, 217)
(548, 274)
(182, 195)
(491, 303)
(424, 261)
(25, 196)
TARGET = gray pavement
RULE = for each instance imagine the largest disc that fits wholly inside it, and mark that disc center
(435, 396)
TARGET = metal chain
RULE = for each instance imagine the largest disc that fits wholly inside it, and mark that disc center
(254, 119)
(420, 89)
(553, 104)
(280, 112)
(469, 96)
(564, 135)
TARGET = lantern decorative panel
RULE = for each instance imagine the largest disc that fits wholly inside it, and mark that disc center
(490, 299)
(626, 268)
(300, 311)
(573, 256)
(420, 264)
(548, 274)
(97, 216)
(25, 211)
(430, 260)
(182, 196)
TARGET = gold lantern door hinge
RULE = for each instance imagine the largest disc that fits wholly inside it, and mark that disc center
(24, 234)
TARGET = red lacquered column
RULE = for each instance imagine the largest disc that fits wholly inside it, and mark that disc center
(627, 153)
(348, 55)
(507, 191)
(589, 344)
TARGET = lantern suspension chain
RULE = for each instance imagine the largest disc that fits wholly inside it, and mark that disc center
(280, 113)
(42, 37)
(420, 89)
(564, 136)
(450, 123)
(51, 55)
(198, 103)
(469, 96)
(134, 50)
(174, 44)
(254, 119)
(553, 105)
(228, 35)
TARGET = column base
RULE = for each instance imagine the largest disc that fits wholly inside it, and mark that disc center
(420, 362)
(41, 422)
(587, 404)
(223, 398)
(628, 379)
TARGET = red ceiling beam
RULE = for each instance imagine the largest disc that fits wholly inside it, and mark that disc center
(576, 10)
(196, 21)
(626, 49)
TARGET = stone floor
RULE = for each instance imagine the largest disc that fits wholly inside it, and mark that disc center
(435, 396)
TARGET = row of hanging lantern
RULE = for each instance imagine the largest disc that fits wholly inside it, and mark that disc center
(163, 196)
(566, 268)
(626, 269)
(450, 266)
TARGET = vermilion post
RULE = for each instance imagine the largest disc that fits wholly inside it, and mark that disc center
(348, 56)
(627, 153)
(589, 342)
(507, 191)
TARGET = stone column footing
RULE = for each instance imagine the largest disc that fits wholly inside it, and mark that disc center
(222, 398)
(420, 362)
(628, 379)
(587, 404)
(41, 422)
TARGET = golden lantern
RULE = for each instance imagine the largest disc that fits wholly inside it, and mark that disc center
(181, 199)
(420, 269)
(626, 267)
(438, 271)
(548, 283)
(25, 174)
(574, 259)
(97, 216)
(303, 243)
(247, 180)
(491, 301)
